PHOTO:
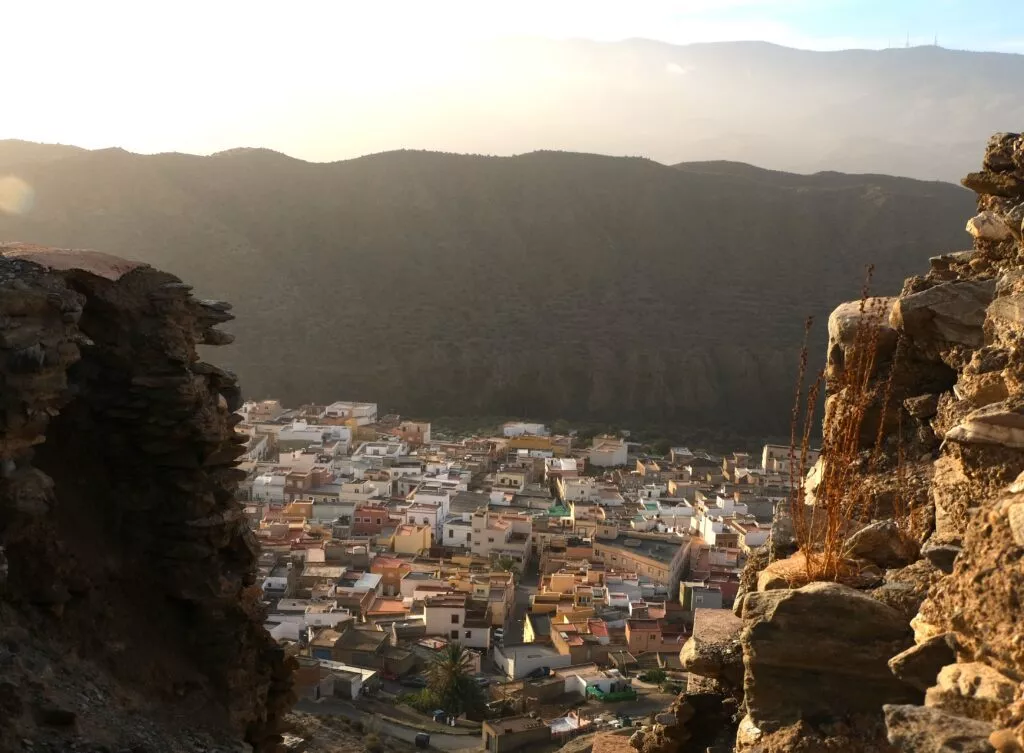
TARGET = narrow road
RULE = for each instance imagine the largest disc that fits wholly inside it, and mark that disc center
(338, 707)
(526, 587)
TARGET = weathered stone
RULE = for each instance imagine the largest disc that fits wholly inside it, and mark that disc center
(855, 319)
(1015, 519)
(981, 389)
(999, 151)
(713, 650)
(110, 523)
(973, 690)
(942, 555)
(997, 184)
(1008, 308)
(988, 226)
(914, 729)
(1000, 423)
(919, 665)
(882, 543)
(783, 573)
(950, 313)
(904, 589)
(923, 406)
(952, 495)
(822, 650)
(1004, 741)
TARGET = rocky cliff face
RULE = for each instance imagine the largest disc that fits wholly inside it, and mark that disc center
(921, 649)
(129, 613)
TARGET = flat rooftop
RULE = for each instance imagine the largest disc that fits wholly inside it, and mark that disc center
(661, 551)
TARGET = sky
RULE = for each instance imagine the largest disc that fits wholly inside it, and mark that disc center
(203, 76)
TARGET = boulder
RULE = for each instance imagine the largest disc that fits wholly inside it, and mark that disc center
(919, 665)
(850, 320)
(882, 543)
(783, 573)
(914, 729)
(714, 648)
(948, 314)
(821, 651)
(988, 226)
(972, 689)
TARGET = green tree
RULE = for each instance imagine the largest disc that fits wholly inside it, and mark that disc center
(508, 565)
(450, 680)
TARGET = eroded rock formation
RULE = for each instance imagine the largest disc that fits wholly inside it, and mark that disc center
(922, 650)
(129, 613)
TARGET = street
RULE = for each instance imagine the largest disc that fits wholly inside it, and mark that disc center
(337, 707)
(527, 586)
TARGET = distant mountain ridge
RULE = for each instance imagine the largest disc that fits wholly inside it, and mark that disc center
(549, 284)
(919, 112)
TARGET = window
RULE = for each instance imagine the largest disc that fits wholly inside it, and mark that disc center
(469, 633)
(455, 621)
(451, 533)
(469, 537)
(454, 634)
(426, 521)
(490, 540)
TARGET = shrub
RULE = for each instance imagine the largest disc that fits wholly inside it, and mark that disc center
(372, 743)
(858, 396)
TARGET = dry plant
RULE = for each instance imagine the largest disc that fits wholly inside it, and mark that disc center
(856, 397)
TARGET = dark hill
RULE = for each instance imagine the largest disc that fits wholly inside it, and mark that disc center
(550, 284)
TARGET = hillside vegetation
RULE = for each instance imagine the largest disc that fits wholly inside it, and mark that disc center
(549, 284)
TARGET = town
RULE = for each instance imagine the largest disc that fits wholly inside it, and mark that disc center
(569, 577)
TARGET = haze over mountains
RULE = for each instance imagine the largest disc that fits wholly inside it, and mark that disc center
(549, 284)
(919, 112)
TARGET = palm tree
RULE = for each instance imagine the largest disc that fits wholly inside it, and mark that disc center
(508, 565)
(450, 680)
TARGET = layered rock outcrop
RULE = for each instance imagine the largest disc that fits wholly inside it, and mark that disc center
(129, 612)
(922, 649)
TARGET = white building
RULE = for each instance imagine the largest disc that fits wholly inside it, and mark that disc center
(518, 661)
(269, 487)
(376, 453)
(775, 458)
(583, 489)
(303, 431)
(359, 413)
(520, 428)
(446, 616)
(607, 452)
(501, 535)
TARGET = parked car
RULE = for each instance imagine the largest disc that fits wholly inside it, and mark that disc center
(482, 681)
(388, 676)
(413, 681)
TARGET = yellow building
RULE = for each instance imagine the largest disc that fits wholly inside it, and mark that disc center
(411, 539)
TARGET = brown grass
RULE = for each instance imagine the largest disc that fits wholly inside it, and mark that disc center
(856, 395)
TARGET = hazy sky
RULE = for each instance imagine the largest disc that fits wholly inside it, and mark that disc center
(203, 76)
